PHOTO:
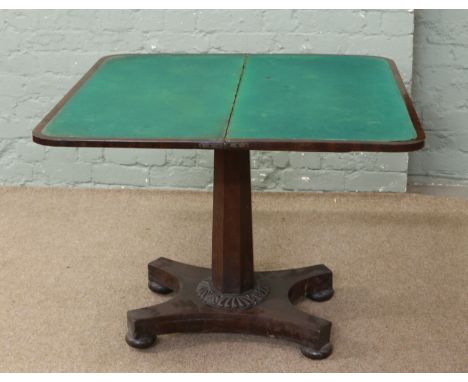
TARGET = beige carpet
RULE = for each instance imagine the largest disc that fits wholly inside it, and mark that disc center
(72, 262)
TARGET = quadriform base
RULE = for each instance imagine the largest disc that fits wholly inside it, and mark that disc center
(275, 316)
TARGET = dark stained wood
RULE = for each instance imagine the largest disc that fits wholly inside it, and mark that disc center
(231, 297)
(274, 317)
(141, 143)
(420, 135)
(232, 245)
(323, 146)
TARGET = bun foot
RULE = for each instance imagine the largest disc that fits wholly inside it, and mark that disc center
(313, 353)
(321, 295)
(142, 342)
(158, 288)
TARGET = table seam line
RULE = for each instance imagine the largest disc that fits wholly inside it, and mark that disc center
(231, 112)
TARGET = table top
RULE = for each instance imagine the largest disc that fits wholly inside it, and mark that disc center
(261, 102)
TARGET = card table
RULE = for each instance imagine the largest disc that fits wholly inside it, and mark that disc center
(234, 103)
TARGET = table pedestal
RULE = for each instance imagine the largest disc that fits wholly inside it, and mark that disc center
(231, 297)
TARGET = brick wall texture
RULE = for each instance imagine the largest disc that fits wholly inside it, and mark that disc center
(43, 53)
(440, 92)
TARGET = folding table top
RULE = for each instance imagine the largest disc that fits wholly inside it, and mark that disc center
(263, 102)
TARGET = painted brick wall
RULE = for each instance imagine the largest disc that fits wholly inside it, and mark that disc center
(440, 93)
(43, 53)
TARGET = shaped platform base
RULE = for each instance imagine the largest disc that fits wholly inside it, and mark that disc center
(265, 310)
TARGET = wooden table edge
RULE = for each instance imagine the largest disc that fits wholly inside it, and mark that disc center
(142, 143)
(323, 146)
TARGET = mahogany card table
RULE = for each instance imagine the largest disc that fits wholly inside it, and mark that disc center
(233, 104)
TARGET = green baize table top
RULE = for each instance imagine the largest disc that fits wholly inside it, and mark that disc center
(214, 99)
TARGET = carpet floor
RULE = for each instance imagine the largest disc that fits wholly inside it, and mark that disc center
(73, 261)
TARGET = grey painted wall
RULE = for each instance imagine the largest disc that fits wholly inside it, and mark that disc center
(43, 53)
(440, 92)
